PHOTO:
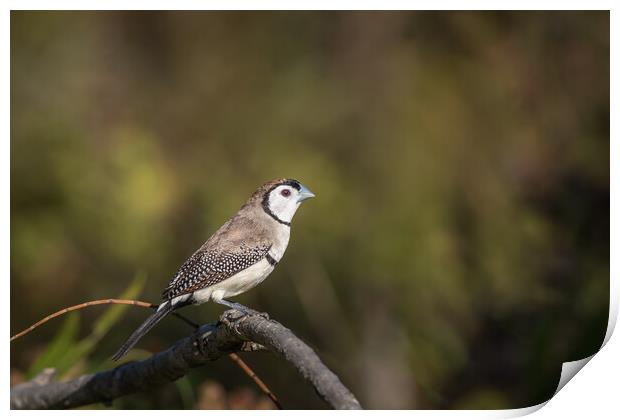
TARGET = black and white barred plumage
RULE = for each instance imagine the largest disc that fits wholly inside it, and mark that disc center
(209, 267)
(237, 257)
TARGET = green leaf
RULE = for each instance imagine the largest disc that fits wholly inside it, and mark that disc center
(106, 321)
(186, 391)
(114, 312)
(60, 345)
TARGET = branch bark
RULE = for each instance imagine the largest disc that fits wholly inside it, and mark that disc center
(234, 332)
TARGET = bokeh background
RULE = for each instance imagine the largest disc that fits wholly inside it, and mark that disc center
(458, 248)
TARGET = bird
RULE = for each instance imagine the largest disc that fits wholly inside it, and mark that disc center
(236, 258)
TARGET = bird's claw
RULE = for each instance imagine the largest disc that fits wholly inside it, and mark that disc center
(252, 312)
(231, 319)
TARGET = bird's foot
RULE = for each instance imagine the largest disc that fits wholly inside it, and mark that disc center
(247, 311)
(232, 318)
(252, 312)
(241, 308)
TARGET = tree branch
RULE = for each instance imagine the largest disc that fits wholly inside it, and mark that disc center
(233, 356)
(234, 332)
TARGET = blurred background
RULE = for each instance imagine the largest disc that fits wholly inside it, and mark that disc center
(458, 248)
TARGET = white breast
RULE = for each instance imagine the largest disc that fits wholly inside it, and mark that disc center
(237, 284)
(283, 234)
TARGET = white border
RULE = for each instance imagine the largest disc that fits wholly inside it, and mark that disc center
(594, 393)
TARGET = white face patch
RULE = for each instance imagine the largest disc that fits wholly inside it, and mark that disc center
(283, 202)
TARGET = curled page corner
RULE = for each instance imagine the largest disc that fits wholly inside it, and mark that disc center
(570, 369)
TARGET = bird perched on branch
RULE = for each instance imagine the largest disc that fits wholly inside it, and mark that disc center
(239, 255)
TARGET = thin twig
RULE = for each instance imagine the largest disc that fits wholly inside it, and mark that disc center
(261, 385)
(82, 306)
(186, 320)
(254, 376)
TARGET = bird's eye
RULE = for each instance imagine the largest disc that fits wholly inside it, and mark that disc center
(285, 193)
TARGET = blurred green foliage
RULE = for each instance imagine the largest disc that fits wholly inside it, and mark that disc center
(457, 251)
(66, 350)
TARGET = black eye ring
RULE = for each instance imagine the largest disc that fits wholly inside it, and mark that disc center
(285, 193)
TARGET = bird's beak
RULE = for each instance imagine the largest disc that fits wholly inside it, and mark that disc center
(304, 193)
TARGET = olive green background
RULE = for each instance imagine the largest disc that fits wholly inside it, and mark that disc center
(457, 251)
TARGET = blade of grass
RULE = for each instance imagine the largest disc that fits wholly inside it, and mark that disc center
(60, 345)
(104, 323)
(186, 391)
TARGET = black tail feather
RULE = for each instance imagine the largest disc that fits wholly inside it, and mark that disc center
(143, 329)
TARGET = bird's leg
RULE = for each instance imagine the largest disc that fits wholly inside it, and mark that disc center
(235, 305)
(243, 309)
